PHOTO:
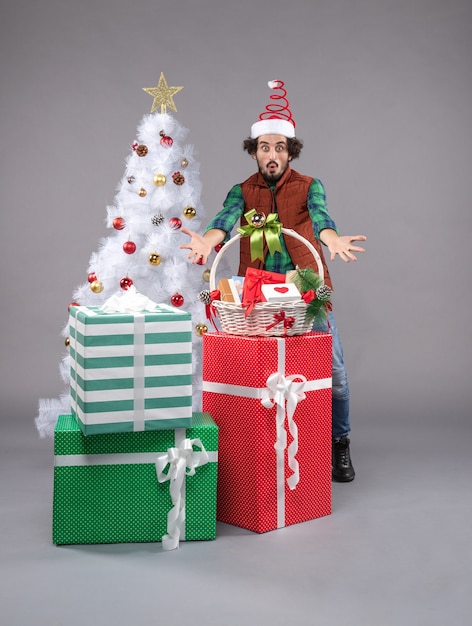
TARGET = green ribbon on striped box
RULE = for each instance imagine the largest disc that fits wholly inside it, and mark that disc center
(106, 489)
(130, 371)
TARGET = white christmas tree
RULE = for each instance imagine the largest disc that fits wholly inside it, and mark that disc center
(158, 194)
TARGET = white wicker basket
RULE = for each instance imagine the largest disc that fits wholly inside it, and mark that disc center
(232, 315)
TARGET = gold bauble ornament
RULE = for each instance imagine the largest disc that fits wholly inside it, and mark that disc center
(154, 258)
(67, 342)
(184, 162)
(201, 329)
(159, 180)
(258, 220)
(190, 212)
(142, 192)
(96, 286)
(206, 275)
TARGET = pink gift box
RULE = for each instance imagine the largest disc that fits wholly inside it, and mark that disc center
(271, 400)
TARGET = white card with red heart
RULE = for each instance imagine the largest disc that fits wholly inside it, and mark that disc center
(281, 292)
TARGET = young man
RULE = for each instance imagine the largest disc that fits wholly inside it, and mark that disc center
(300, 204)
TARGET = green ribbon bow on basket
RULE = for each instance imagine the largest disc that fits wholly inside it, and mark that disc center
(256, 230)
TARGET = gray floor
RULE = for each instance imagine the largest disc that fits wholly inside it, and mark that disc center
(396, 551)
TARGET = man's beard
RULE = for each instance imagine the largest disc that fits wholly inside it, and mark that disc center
(271, 178)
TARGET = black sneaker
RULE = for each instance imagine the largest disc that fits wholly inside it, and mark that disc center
(342, 470)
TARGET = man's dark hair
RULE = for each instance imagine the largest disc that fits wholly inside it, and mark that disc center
(294, 146)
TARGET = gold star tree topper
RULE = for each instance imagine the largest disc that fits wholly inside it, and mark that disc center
(163, 95)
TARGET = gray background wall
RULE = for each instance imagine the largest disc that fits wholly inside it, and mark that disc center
(381, 92)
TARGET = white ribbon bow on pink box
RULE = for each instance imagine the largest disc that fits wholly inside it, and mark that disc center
(283, 390)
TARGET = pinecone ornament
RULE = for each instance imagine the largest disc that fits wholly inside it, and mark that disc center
(204, 297)
(157, 219)
(178, 178)
(323, 293)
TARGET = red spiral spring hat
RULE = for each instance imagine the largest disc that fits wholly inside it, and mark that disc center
(277, 118)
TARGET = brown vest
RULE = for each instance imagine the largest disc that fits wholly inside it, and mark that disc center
(289, 200)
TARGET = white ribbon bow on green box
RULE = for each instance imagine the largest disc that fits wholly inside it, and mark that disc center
(182, 461)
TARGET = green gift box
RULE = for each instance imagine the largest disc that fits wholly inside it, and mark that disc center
(130, 371)
(135, 487)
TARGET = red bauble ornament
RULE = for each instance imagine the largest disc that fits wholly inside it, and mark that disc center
(166, 140)
(218, 247)
(200, 261)
(72, 304)
(125, 283)
(177, 299)
(129, 247)
(175, 223)
(118, 223)
(91, 277)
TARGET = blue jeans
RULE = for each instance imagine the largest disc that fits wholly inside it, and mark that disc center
(340, 417)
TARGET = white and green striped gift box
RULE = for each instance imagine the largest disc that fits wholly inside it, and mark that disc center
(130, 371)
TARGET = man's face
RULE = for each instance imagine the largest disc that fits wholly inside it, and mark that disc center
(272, 156)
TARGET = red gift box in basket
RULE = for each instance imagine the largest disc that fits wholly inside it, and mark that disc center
(269, 319)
